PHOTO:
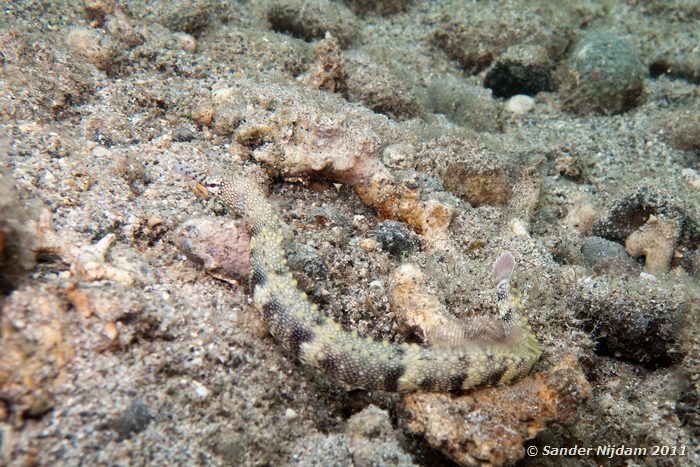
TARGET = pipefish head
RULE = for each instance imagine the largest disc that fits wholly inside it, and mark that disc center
(210, 184)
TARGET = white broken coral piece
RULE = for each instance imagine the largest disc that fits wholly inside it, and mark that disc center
(580, 218)
(519, 227)
(87, 262)
(656, 241)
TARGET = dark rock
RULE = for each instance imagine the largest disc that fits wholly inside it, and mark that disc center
(309, 268)
(604, 74)
(134, 420)
(595, 249)
(633, 319)
(395, 238)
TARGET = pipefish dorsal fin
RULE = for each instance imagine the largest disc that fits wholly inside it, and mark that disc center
(502, 269)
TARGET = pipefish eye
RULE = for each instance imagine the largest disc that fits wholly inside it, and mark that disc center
(212, 185)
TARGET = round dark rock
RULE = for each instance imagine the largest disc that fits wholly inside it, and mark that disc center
(134, 420)
(309, 268)
(604, 74)
(595, 249)
(395, 238)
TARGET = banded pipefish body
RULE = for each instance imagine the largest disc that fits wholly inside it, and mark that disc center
(446, 365)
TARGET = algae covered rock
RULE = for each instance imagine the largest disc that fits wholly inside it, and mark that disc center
(633, 319)
(476, 34)
(378, 87)
(463, 103)
(310, 20)
(655, 223)
(489, 426)
(604, 74)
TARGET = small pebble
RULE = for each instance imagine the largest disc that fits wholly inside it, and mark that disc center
(369, 244)
(200, 390)
(93, 45)
(133, 420)
(395, 238)
(400, 156)
(186, 42)
(520, 104)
